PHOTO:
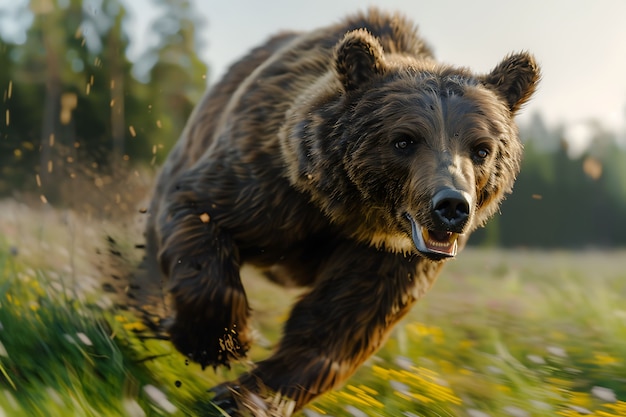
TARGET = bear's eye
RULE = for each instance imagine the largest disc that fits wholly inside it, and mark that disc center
(480, 153)
(403, 144)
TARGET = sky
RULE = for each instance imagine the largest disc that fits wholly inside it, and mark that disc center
(580, 45)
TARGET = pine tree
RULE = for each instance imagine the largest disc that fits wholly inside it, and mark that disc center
(177, 80)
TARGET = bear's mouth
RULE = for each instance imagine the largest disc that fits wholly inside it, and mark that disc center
(434, 244)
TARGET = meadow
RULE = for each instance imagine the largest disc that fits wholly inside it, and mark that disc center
(503, 333)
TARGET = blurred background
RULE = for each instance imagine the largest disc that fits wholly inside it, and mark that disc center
(93, 87)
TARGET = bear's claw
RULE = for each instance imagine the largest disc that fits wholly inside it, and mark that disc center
(200, 344)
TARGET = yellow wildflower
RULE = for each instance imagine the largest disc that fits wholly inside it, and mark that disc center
(136, 326)
(581, 399)
(604, 359)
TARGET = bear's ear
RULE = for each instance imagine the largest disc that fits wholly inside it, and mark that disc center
(358, 59)
(514, 79)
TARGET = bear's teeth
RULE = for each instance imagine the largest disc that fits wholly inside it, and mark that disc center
(445, 242)
(441, 243)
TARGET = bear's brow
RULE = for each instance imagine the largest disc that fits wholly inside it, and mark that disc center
(444, 84)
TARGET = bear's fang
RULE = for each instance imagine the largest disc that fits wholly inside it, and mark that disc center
(443, 244)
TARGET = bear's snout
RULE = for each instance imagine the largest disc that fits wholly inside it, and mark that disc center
(451, 209)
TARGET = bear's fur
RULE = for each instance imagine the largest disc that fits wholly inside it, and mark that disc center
(346, 160)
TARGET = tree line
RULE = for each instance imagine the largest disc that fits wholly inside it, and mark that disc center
(72, 100)
(561, 200)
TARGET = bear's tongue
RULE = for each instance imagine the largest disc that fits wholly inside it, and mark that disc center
(428, 241)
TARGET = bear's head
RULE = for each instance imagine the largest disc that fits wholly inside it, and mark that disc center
(406, 153)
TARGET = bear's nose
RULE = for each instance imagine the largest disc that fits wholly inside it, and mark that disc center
(451, 209)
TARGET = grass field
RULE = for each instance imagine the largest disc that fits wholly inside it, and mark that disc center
(503, 333)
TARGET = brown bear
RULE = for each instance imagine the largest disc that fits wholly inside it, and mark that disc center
(346, 160)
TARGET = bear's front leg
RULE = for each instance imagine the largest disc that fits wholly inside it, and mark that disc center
(202, 264)
(361, 293)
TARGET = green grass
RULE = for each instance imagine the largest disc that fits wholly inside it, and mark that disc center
(506, 334)
(503, 333)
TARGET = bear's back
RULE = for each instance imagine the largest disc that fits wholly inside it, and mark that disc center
(249, 103)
